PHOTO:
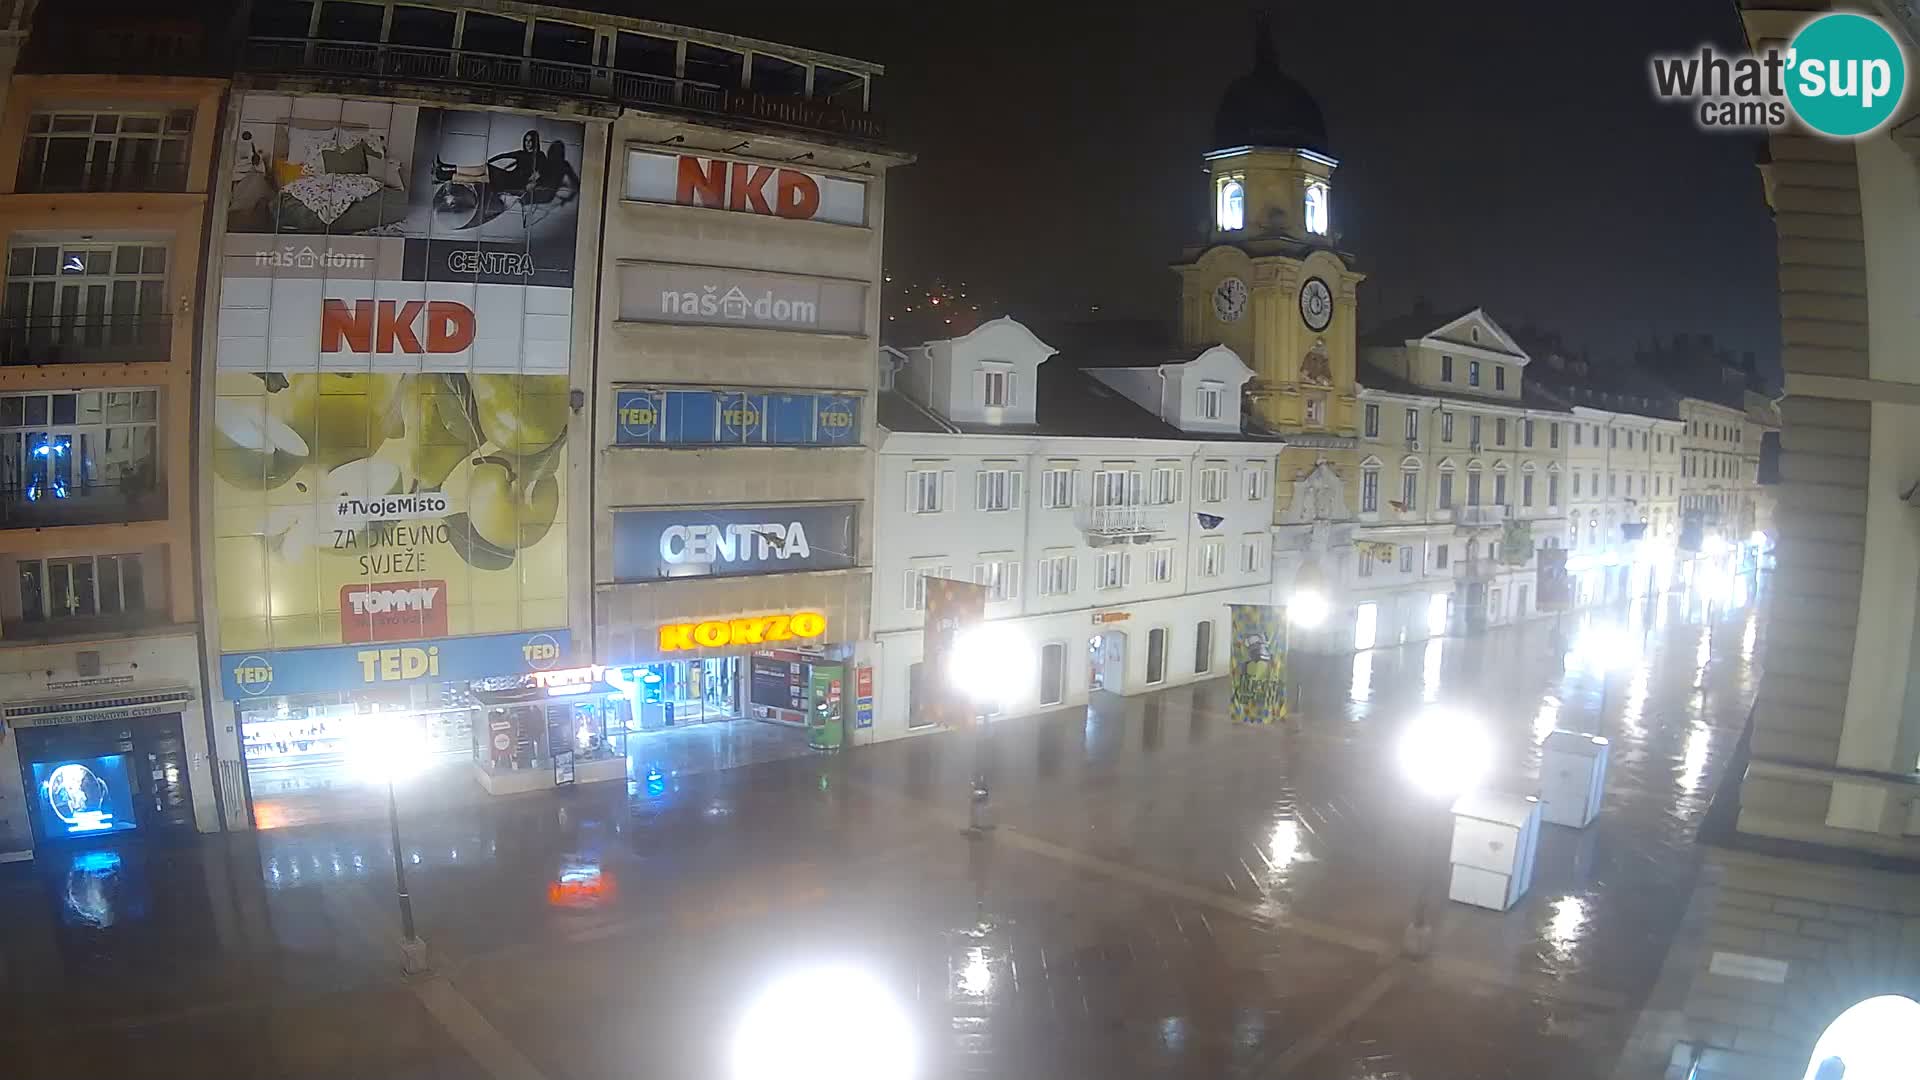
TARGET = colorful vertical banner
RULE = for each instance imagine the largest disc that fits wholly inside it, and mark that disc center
(1552, 589)
(1259, 663)
(953, 607)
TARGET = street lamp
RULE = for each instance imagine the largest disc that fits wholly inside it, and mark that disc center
(782, 1033)
(1873, 1040)
(1443, 754)
(390, 751)
(989, 661)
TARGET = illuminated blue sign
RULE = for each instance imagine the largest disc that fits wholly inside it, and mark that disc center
(357, 667)
(655, 417)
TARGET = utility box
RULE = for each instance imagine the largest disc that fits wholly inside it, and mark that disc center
(1494, 839)
(1573, 777)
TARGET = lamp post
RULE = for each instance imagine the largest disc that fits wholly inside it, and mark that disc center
(1443, 754)
(989, 661)
(1307, 609)
(391, 753)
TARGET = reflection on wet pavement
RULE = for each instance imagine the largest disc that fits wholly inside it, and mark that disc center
(1168, 895)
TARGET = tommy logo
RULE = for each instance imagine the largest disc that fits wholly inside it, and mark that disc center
(394, 326)
(398, 611)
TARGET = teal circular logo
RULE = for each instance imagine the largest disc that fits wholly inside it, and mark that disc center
(1845, 75)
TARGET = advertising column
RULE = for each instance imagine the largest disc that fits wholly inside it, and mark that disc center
(389, 495)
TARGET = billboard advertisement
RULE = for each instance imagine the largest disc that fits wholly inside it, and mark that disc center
(1259, 663)
(721, 296)
(79, 796)
(695, 541)
(744, 187)
(391, 374)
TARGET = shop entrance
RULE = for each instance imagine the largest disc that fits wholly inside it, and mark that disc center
(1107, 661)
(681, 693)
(95, 779)
(324, 757)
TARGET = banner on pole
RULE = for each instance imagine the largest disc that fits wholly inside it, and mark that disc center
(953, 607)
(1259, 663)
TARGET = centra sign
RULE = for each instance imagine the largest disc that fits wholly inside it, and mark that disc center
(755, 630)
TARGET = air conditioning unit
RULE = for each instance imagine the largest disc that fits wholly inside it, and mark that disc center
(1413, 444)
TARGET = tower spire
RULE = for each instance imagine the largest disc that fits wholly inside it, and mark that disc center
(1263, 59)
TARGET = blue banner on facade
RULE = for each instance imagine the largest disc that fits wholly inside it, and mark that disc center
(657, 417)
(360, 667)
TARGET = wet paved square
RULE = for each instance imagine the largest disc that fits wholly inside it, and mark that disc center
(1168, 895)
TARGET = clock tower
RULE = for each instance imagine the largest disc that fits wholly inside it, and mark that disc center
(1269, 282)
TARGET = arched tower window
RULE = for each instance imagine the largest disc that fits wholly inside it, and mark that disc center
(1232, 213)
(1317, 209)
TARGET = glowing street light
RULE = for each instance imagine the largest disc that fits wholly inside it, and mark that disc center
(782, 1035)
(1308, 608)
(1873, 1040)
(391, 749)
(989, 661)
(1444, 753)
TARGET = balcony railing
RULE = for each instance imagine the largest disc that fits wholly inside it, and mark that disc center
(1122, 522)
(1480, 517)
(37, 179)
(47, 503)
(116, 339)
(370, 60)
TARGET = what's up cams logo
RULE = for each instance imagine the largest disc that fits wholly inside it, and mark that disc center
(1843, 75)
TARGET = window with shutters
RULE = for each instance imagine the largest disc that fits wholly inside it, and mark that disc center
(1369, 491)
(1116, 487)
(1056, 572)
(1445, 501)
(1056, 488)
(914, 592)
(1166, 485)
(1499, 377)
(997, 487)
(1406, 559)
(1576, 483)
(1213, 483)
(1113, 570)
(1209, 400)
(1373, 421)
(1213, 557)
(1441, 554)
(1446, 368)
(1553, 436)
(1473, 373)
(1160, 564)
(1526, 434)
(925, 488)
(1203, 647)
(1000, 573)
(1413, 425)
(1576, 434)
(1256, 482)
(1446, 427)
(996, 387)
(1499, 489)
(1253, 552)
(1473, 432)
(1500, 431)
(1526, 491)
(1364, 566)
(1410, 489)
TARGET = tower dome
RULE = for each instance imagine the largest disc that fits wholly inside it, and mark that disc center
(1266, 107)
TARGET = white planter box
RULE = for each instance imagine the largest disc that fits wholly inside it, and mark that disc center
(1494, 840)
(1573, 778)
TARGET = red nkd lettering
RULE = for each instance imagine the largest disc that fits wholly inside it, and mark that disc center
(796, 195)
(749, 188)
(701, 183)
(388, 326)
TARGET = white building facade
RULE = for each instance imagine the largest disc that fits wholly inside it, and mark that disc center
(1112, 556)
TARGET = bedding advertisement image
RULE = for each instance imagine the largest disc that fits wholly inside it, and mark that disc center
(391, 404)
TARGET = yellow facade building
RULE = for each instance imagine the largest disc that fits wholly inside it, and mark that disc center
(1271, 283)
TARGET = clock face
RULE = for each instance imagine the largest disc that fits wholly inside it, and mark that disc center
(1230, 299)
(1316, 304)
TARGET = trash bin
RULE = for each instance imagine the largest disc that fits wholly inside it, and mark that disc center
(1573, 777)
(1495, 836)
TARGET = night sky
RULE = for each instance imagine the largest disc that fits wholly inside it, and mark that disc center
(1507, 154)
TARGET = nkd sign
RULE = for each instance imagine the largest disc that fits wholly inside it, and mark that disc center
(700, 541)
(719, 296)
(745, 187)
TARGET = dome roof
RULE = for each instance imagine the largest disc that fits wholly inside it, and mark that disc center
(1265, 107)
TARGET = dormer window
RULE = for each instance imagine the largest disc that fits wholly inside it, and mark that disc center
(1209, 400)
(1232, 212)
(1317, 209)
(996, 387)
